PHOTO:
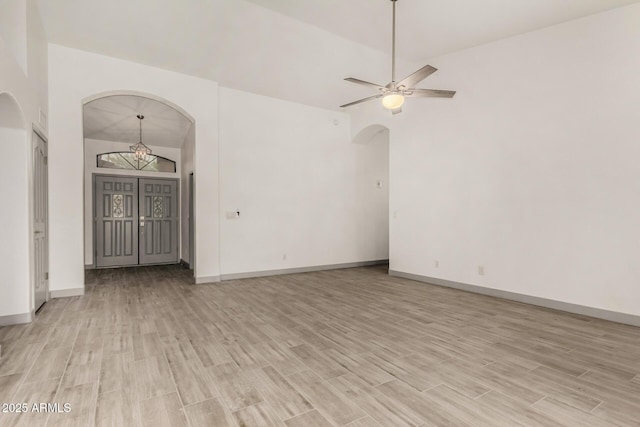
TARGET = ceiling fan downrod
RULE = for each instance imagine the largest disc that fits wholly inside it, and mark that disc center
(393, 44)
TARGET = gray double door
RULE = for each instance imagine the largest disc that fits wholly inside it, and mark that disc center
(136, 221)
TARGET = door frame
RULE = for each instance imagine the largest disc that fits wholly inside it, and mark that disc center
(32, 246)
(192, 224)
(94, 218)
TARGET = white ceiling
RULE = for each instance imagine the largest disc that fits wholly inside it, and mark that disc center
(427, 28)
(268, 47)
(113, 118)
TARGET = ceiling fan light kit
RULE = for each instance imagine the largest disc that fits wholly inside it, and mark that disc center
(394, 93)
(393, 100)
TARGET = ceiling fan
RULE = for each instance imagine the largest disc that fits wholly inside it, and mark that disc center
(394, 93)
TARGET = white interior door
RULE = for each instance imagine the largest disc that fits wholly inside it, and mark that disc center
(40, 218)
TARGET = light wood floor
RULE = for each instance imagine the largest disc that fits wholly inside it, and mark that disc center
(349, 347)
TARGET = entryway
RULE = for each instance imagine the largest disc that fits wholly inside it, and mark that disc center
(111, 127)
(136, 221)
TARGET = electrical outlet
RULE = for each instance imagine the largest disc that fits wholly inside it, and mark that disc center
(481, 270)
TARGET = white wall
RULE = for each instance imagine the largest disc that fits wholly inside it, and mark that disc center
(14, 243)
(325, 209)
(74, 76)
(186, 160)
(23, 58)
(25, 81)
(13, 30)
(531, 170)
(92, 148)
(302, 187)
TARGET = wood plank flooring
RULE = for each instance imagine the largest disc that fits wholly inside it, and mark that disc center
(352, 347)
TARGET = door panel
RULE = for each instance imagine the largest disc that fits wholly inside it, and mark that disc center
(116, 236)
(40, 217)
(158, 221)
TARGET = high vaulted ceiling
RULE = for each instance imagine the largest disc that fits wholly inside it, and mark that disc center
(427, 28)
(113, 118)
(298, 50)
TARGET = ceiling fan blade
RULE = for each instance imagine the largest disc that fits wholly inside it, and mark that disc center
(396, 111)
(417, 77)
(361, 101)
(429, 93)
(362, 82)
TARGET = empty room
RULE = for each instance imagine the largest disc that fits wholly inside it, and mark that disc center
(319, 213)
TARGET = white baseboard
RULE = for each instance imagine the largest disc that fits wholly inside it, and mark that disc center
(613, 316)
(250, 274)
(207, 279)
(16, 319)
(65, 293)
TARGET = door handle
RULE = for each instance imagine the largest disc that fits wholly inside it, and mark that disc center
(142, 221)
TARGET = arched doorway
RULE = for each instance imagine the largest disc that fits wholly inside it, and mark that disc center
(111, 125)
(15, 289)
(373, 165)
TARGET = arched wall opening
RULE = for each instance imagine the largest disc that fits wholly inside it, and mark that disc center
(373, 191)
(110, 125)
(15, 285)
